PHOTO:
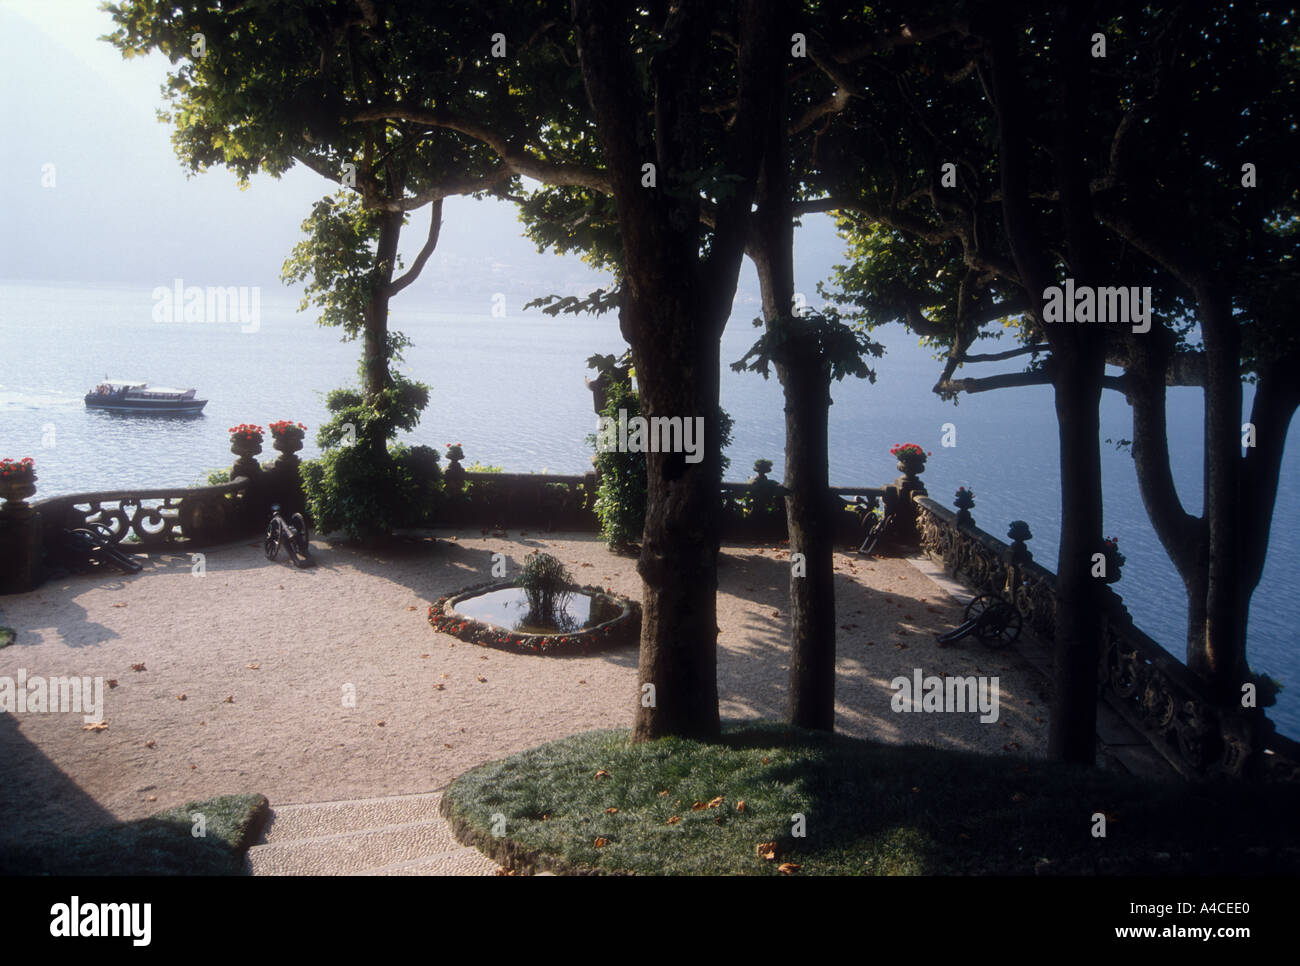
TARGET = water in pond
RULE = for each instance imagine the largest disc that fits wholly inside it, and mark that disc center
(508, 608)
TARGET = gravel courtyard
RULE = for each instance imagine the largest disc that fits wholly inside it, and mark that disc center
(242, 673)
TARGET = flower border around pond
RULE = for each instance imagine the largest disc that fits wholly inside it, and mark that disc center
(620, 630)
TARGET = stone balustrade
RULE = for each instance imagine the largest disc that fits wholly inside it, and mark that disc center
(1150, 688)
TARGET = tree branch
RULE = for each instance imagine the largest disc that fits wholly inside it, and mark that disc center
(517, 160)
(435, 228)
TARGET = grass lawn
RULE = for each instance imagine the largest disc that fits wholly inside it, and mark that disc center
(162, 844)
(595, 802)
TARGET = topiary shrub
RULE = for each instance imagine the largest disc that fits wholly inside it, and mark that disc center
(360, 484)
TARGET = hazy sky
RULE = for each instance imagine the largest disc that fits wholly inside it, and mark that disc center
(122, 210)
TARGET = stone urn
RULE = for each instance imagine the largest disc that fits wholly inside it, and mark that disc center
(287, 442)
(964, 501)
(454, 475)
(246, 443)
(911, 465)
(16, 489)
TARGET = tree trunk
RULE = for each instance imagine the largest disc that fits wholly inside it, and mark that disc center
(374, 362)
(1222, 661)
(1080, 364)
(812, 595)
(677, 375)
(805, 382)
(1184, 537)
(675, 303)
(1073, 730)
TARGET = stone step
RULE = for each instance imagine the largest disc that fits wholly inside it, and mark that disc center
(352, 852)
(314, 819)
(462, 861)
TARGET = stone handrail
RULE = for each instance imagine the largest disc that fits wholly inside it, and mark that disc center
(1150, 688)
(152, 516)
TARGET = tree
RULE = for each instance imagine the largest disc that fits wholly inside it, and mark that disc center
(675, 301)
(949, 127)
(1166, 113)
(260, 87)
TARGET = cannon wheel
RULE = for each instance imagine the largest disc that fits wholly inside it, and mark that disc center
(105, 534)
(272, 542)
(302, 534)
(999, 622)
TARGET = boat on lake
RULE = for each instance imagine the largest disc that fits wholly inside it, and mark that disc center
(134, 396)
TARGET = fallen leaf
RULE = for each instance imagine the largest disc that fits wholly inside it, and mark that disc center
(600, 843)
(230, 699)
(767, 761)
(119, 605)
(601, 774)
(787, 868)
(379, 724)
(256, 665)
(776, 613)
(423, 656)
(715, 802)
(766, 851)
(180, 697)
(138, 667)
(412, 608)
(582, 680)
(440, 686)
(482, 679)
(95, 726)
(153, 798)
(112, 683)
(663, 793)
(611, 810)
(674, 820)
(740, 806)
(150, 743)
(697, 806)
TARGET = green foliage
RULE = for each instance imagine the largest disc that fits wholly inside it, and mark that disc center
(349, 489)
(216, 478)
(360, 484)
(336, 260)
(360, 418)
(882, 809)
(816, 338)
(621, 496)
(161, 844)
(545, 583)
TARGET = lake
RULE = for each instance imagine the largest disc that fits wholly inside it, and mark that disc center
(511, 391)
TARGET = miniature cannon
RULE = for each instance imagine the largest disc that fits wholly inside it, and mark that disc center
(95, 545)
(292, 534)
(990, 619)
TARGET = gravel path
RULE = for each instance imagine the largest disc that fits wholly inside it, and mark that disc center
(245, 668)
